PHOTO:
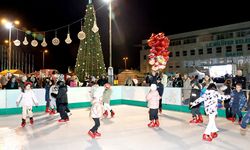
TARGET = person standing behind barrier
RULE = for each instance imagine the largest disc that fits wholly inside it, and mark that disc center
(237, 102)
(195, 94)
(186, 88)
(106, 100)
(153, 99)
(62, 101)
(164, 80)
(178, 82)
(160, 90)
(28, 98)
(153, 78)
(227, 91)
(47, 96)
(239, 78)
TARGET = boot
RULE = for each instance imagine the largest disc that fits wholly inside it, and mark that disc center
(112, 113)
(207, 138)
(105, 114)
(151, 124)
(31, 120)
(90, 133)
(157, 123)
(52, 112)
(47, 110)
(233, 119)
(160, 110)
(194, 120)
(23, 123)
(214, 135)
(97, 134)
(62, 120)
(200, 119)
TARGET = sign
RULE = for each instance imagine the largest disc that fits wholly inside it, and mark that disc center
(228, 42)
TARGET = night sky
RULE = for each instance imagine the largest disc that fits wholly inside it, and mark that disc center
(134, 20)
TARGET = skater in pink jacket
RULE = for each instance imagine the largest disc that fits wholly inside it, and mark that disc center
(153, 99)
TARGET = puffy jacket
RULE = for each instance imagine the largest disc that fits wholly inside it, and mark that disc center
(242, 101)
(153, 99)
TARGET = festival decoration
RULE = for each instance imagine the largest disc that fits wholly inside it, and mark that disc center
(159, 55)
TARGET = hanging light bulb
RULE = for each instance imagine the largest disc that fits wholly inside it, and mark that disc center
(95, 28)
(44, 43)
(34, 43)
(68, 39)
(17, 42)
(25, 42)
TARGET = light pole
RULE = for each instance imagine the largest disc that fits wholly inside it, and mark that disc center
(9, 26)
(125, 61)
(110, 69)
(45, 51)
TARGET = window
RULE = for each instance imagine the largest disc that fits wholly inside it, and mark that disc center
(177, 66)
(200, 51)
(177, 54)
(175, 42)
(248, 46)
(238, 48)
(189, 40)
(218, 50)
(184, 53)
(145, 57)
(209, 50)
(170, 66)
(170, 54)
(229, 49)
(227, 35)
(192, 52)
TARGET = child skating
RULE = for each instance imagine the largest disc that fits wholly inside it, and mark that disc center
(210, 99)
(106, 100)
(96, 113)
(153, 99)
(27, 98)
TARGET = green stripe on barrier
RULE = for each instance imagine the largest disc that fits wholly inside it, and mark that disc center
(180, 108)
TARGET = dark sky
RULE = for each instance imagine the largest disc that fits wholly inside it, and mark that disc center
(134, 21)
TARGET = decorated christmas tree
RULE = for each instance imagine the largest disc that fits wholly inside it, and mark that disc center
(90, 57)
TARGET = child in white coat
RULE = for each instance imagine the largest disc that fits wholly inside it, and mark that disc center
(96, 112)
(27, 98)
(210, 98)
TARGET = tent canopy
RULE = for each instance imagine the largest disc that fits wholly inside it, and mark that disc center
(13, 71)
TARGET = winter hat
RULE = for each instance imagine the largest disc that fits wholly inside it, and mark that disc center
(158, 78)
(153, 87)
(27, 83)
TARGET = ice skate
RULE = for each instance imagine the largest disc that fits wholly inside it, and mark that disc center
(23, 123)
(31, 121)
(207, 138)
(151, 124)
(47, 110)
(200, 119)
(157, 123)
(97, 134)
(112, 114)
(105, 114)
(52, 112)
(214, 135)
(90, 133)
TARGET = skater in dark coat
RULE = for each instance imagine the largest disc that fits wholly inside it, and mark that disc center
(62, 101)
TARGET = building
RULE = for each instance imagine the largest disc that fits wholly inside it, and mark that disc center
(217, 50)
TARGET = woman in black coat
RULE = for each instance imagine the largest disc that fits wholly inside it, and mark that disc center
(62, 101)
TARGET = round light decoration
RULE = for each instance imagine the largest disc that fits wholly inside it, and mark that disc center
(55, 41)
(34, 43)
(81, 35)
(17, 42)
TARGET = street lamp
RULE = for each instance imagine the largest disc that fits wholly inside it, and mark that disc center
(110, 69)
(44, 52)
(9, 26)
(125, 61)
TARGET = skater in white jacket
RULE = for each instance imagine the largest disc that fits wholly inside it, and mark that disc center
(27, 99)
(210, 98)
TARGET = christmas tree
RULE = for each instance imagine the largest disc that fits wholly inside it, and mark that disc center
(90, 57)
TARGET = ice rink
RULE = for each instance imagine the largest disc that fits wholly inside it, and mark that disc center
(126, 131)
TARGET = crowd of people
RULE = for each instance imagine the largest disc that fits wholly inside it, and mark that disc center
(195, 93)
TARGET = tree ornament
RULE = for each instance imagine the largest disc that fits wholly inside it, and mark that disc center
(81, 35)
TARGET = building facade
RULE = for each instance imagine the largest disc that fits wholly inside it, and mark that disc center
(201, 49)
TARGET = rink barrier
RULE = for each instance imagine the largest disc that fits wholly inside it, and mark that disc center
(79, 97)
